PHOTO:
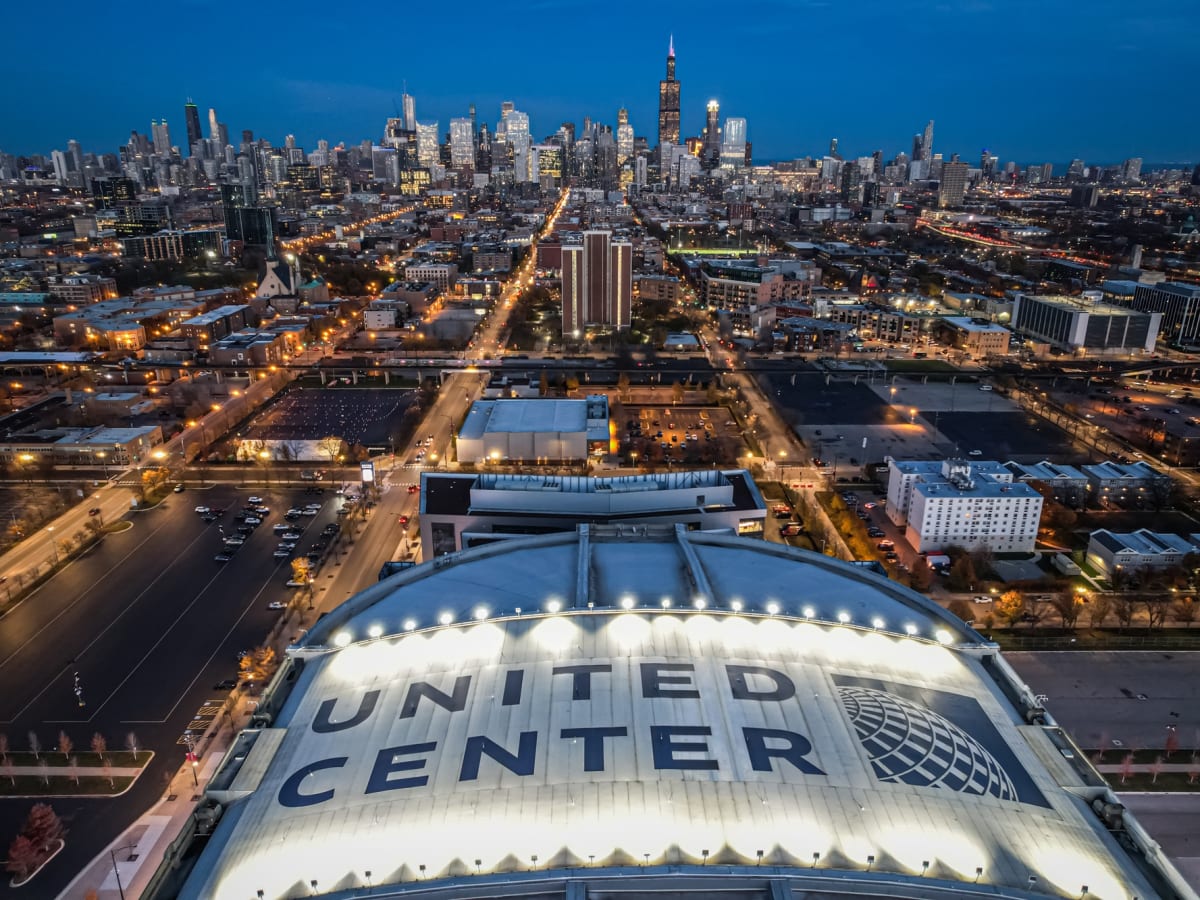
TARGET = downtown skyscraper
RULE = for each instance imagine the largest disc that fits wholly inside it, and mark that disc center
(668, 107)
(191, 116)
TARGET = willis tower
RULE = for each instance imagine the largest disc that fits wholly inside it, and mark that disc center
(668, 108)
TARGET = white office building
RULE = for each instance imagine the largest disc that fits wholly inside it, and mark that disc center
(965, 504)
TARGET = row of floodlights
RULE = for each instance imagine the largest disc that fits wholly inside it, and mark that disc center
(1031, 882)
(553, 607)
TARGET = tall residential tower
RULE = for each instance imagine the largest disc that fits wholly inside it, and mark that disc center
(597, 282)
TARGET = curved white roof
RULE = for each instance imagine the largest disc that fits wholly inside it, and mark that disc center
(789, 720)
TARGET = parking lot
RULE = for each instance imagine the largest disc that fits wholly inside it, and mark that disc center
(689, 434)
(908, 419)
(1115, 700)
(367, 416)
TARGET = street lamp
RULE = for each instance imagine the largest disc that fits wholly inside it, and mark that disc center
(112, 854)
(912, 415)
(53, 548)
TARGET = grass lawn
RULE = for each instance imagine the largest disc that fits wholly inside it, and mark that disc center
(918, 365)
(1167, 781)
(61, 786)
(1142, 756)
(118, 759)
(1023, 638)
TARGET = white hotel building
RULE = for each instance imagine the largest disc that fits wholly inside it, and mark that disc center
(959, 503)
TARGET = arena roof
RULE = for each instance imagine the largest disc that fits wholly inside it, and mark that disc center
(604, 712)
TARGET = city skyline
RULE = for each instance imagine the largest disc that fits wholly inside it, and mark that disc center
(1040, 99)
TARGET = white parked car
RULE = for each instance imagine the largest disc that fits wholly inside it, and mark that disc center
(254, 501)
(203, 510)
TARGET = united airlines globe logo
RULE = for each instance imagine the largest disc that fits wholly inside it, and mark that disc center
(912, 745)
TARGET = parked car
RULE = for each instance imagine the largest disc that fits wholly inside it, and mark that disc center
(277, 604)
(255, 501)
(178, 489)
(791, 528)
(203, 510)
(885, 545)
(234, 541)
(227, 685)
(252, 520)
(291, 535)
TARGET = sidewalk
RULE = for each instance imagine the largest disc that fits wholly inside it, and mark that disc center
(72, 771)
(135, 855)
(40, 550)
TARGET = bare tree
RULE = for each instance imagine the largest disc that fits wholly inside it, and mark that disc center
(99, 744)
(961, 609)
(1157, 608)
(4, 747)
(73, 761)
(35, 744)
(332, 447)
(1098, 610)
(65, 744)
(1184, 611)
(131, 741)
(1124, 609)
(1068, 606)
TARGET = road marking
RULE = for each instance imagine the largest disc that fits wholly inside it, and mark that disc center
(211, 656)
(75, 664)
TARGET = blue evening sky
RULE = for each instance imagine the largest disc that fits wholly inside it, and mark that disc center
(1032, 80)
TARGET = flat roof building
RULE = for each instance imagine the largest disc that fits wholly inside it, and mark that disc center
(1074, 324)
(542, 429)
(978, 338)
(1179, 306)
(963, 504)
(461, 511)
